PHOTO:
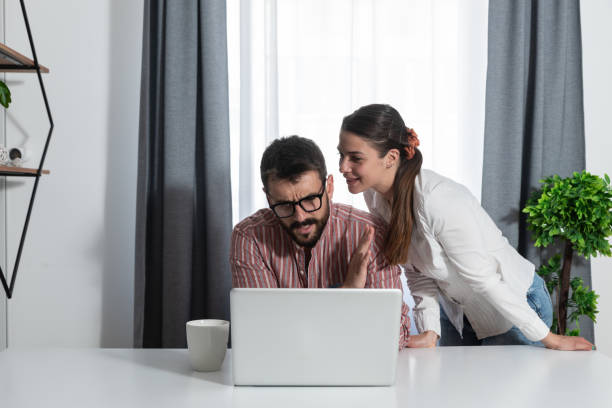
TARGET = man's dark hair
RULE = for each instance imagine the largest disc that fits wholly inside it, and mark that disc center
(289, 157)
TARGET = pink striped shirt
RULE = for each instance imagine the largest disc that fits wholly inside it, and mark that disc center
(263, 255)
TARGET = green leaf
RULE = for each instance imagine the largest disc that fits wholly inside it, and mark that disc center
(577, 209)
(550, 273)
(5, 95)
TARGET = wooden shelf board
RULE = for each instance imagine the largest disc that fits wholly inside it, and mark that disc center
(13, 169)
(12, 61)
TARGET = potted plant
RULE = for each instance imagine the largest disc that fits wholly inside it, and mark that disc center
(577, 211)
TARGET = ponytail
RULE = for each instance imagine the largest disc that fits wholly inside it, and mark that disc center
(399, 232)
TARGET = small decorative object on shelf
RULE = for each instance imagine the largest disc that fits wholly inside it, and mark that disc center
(4, 156)
(14, 156)
(13, 61)
(17, 155)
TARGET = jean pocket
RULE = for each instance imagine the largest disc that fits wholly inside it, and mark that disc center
(534, 302)
(539, 300)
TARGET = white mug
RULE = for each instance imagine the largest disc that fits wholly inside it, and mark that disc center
(207, 343)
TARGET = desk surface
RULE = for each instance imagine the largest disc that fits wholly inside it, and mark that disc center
(506, 376)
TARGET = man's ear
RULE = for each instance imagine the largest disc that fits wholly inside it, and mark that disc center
(330, 186)
(267, 196)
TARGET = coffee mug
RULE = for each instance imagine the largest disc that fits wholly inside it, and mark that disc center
(207, 343)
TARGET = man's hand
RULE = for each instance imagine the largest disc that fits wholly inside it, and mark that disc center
(558, 342)
(358, 267)
(423, 340)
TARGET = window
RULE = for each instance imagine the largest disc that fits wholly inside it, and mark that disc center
(298, 67)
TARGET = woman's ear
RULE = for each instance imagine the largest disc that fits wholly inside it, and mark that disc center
(392, 158)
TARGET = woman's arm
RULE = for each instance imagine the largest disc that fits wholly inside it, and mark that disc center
(455, 218)
(426, 309)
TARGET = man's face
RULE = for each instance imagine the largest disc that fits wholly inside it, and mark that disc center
(304, 227)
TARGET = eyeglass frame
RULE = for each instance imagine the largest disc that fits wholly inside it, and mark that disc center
(299, 202)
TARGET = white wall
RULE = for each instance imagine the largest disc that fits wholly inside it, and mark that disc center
(75, 284)
(597, 69)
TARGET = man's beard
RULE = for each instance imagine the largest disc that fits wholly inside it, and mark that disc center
(319, 225)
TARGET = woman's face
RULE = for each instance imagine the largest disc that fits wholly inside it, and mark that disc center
(361, 165)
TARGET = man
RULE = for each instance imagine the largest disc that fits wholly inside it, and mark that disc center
(304, 240)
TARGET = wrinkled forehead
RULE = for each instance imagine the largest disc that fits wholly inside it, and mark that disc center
(294, 188)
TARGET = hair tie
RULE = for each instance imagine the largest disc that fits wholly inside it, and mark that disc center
(412, 143)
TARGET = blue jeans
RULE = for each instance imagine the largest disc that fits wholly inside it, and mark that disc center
(538, 299)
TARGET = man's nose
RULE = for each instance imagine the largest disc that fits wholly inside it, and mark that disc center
(299, 213)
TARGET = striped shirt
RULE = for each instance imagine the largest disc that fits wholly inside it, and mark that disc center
(263, 255)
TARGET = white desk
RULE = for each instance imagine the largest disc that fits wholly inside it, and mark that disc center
(455, 377)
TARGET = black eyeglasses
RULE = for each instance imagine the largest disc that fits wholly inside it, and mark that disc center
(310, 203)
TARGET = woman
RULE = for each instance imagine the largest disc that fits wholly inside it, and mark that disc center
(454, 255)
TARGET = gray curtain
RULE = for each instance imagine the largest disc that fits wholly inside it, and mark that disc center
(184, 196)
(534, 120)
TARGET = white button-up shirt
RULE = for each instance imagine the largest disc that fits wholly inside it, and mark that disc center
(459, 258)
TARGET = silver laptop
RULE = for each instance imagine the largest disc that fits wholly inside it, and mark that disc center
(315, 337)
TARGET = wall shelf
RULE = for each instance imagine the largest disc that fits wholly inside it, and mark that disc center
(20, 171)
(12, 61)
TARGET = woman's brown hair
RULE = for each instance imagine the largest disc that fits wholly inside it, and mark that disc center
(383, 127)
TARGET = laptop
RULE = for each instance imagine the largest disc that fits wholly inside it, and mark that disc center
(315, 337)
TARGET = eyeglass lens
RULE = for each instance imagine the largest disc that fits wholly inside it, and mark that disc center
(308, 204)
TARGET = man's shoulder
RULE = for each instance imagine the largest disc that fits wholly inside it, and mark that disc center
(258, 221)
(348, 214)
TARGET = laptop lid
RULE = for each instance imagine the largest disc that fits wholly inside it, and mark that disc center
(315, 336)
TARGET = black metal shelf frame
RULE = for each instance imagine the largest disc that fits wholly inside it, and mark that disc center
(17, 174)
(9, 287)
(5, 67)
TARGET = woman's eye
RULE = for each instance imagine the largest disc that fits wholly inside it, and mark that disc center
(356, 159)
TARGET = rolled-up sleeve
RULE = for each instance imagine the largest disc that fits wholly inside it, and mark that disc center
(424, 290)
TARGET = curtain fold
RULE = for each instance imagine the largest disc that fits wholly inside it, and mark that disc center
(534, 116)
(184, 194)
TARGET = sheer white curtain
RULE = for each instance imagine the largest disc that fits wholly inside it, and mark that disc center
(300, 66)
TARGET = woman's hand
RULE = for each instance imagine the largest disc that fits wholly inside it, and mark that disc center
(558, 342)
(423, 340)
(358, 267)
